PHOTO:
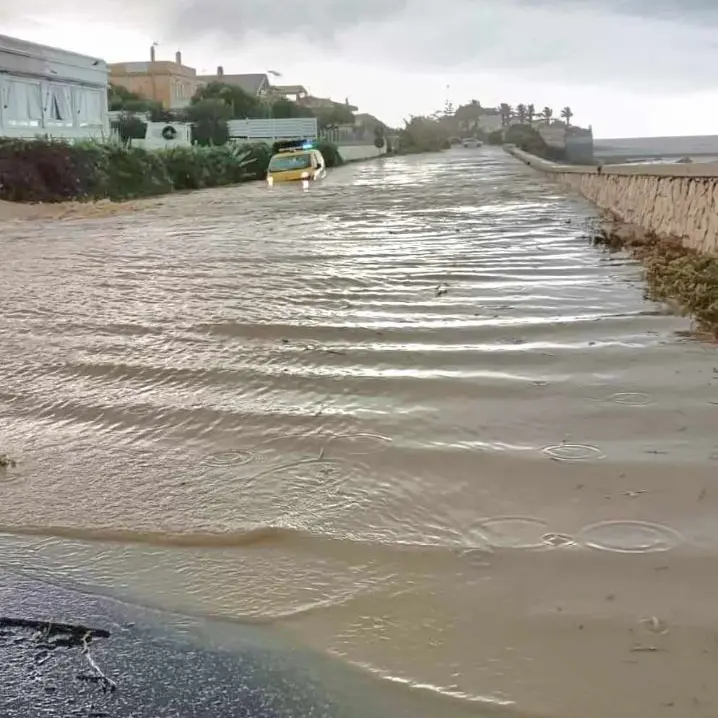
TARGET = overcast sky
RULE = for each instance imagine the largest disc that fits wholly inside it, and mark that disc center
(628, 67)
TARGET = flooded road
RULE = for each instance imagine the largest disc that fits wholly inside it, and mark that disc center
(411, 419)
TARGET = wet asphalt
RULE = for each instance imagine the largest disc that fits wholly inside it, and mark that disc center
(65, 653)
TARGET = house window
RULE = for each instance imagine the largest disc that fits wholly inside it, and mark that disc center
(179, 91)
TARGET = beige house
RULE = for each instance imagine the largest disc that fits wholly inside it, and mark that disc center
(170, 83)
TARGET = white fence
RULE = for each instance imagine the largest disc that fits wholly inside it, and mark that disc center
(274, 129)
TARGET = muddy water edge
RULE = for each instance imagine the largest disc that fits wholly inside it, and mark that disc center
(411, 419)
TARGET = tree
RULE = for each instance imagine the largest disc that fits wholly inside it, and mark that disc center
(332, 117)
(567, 114)
(120, 99)
(282, 108)
(547, 114)
(521, 113)
(506, 112)
(423, 134)
(130, 128)
(117, 95)
(209, 121)
(468, 117)
(530, 113)
(242, 105)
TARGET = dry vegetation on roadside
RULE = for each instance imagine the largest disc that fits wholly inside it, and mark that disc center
(17, 211)
(6, 462)
(673, 272)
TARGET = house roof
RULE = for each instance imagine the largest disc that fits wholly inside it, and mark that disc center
(290, 89)
(251, 83)
(364, 118)
(325, 102)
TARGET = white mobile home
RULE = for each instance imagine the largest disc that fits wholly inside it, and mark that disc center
(47, 91)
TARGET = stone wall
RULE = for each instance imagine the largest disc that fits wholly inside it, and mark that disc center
(671, 200)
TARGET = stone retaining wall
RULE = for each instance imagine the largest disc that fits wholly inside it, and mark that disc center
(676, 200)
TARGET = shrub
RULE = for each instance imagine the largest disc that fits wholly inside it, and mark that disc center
(52, 171)
(130, 127)
(135, 172)
(529, 140)
(47, 171)
(254, 160)
(495, 138)
(330, 152)
(422, 134)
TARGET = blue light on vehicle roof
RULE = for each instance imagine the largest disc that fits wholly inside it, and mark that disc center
(307, 146)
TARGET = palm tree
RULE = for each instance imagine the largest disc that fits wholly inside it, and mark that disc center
(547, 114)
(567, 114)
(506, 112)
(521, 113)
(530, 113)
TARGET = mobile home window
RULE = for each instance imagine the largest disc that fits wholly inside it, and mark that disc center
(88, 107)
(22, 103)
(58, 105)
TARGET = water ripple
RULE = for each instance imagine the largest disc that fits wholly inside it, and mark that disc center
(334, 409)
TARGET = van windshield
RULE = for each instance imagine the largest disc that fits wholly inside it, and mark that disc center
(285, 163)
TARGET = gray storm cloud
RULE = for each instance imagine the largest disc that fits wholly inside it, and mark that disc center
(647, 45)
(319, 19)
(651, 45)
(325, 19)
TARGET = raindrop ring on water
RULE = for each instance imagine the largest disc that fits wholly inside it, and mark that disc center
(573, 452)
(519, 532)
(229, 458)
(629, 537)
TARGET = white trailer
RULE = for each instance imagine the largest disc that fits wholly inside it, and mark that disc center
(294, 128)
(48, 91)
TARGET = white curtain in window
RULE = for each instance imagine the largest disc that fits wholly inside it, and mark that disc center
(58, 104)
(96, 106)
(79, 102)
(22, 103)
(88, 106)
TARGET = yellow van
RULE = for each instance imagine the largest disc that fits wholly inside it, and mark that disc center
(296, 161)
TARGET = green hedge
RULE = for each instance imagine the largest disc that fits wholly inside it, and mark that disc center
(52, 171)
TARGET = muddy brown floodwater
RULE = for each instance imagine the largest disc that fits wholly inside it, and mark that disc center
(410, 418)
